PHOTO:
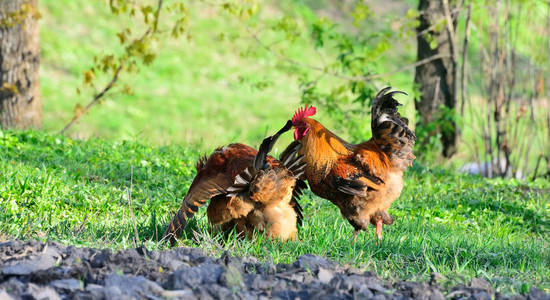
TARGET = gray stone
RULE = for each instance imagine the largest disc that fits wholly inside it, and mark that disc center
(195, 276)
(312, 262)
(134, 286)
(67, 284)
(363, 293)
(324, 275)
(480, 295)
(31, 263)
(4, 295)
(42, 292)
(100, 259)
(436, 295)
(499, 296)
(482, 284)
(232, 277)
(436, 278)
(186, 273)
(536, 294)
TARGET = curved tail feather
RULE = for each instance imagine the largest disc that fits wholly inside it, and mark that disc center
(296, 165)
(267, 145)
(390, 130)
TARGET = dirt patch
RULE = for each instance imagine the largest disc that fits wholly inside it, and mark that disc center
(34, 270)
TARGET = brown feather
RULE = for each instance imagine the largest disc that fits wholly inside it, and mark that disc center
(363, 179)
(242, 196)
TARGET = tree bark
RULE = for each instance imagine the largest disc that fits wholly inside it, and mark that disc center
(20, 98)
(437, 80)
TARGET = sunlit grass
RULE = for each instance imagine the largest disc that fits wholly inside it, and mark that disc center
(75, 192)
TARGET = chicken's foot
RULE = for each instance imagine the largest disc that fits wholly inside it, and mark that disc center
(379, 229)
(355, 233)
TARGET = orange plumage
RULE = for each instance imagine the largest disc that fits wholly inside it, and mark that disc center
(247, 189)
(363, 179)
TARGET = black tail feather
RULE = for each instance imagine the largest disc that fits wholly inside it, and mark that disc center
(267, 145)
(390, 130)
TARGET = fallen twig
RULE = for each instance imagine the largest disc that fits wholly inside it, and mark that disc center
(129, 191)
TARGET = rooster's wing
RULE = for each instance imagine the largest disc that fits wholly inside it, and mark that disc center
(199, 193)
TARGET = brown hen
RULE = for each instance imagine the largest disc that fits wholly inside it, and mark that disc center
(248, 190)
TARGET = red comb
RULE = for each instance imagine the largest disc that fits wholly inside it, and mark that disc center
(304, 113)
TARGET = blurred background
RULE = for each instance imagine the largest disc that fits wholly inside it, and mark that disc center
(207, 73)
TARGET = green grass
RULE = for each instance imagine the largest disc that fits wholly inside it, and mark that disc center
(75, 192)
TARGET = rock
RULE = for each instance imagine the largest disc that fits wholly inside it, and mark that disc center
(4, 295)
(33, 270)
(288, 294)
(232, 277)
(436, 278)
(357, 283)
(267, 268)
(482, 284)
(69, 285)
(480, 295)
(132, 286)
(100, 259)
(195, 276)
(312, 262)
(217, 291)
(37, 261)
(190, 255)
(93, 291)
(258, 282)
(40, 292)
(536, 294)
(324, 275)
(380, 297)
(363, 293)
(21, 290)
(499, 296)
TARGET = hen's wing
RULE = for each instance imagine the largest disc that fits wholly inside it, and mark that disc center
(199, 193)
(363, 171)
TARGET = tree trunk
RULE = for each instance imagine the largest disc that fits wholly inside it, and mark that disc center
(20, 99)
(437, 80)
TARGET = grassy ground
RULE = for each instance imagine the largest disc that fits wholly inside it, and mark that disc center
(76, 192)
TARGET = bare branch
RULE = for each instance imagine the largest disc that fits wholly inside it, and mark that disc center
(339, 75)
(134, 222)
(94, 101)
(116, 74)
(464, 61)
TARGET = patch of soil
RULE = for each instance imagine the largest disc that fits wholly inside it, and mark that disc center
(35, 270)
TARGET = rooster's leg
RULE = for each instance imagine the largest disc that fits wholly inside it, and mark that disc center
(355, 233)
(379, 229)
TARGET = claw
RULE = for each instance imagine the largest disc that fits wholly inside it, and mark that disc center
(355, 233)
(379, 229)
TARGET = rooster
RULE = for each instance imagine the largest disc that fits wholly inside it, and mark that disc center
(248, 190)
(363, 179)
